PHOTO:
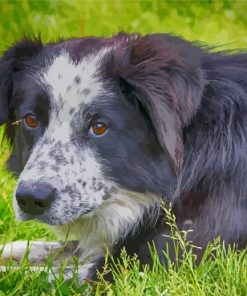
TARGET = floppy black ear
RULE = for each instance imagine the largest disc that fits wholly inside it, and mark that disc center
(11, 62)
(165, 74)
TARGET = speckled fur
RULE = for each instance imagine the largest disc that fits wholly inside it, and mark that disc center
(75, 171)
(176, 117)
(55, 159)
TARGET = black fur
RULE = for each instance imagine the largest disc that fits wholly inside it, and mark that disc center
(188, 111)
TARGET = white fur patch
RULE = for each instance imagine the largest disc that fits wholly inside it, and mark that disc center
(70, 85)
(67, 80)
(111, 222)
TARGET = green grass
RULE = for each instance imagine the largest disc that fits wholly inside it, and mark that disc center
(222, 271)
(222, 23)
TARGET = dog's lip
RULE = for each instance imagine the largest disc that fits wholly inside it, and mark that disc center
(88, 211)
(45, 218)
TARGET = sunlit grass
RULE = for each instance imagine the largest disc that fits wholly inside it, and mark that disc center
(222, 271)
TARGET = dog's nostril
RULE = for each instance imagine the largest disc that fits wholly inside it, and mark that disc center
(40, 204)
(22, 202)
(35, 198)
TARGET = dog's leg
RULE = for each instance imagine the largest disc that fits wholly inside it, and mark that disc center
(36, 252)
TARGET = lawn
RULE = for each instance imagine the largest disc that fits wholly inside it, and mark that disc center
(221, 23)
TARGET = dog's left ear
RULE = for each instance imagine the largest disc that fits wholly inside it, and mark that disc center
(11, 62)
(165, 75)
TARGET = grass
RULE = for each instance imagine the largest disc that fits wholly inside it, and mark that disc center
(222, 23)
(222, 271)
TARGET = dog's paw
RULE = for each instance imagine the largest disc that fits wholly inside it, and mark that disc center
(36, 252)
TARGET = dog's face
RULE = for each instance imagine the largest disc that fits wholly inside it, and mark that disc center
(83, 127)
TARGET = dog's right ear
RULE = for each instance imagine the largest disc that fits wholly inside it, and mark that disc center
(12, 61)
(164, 74)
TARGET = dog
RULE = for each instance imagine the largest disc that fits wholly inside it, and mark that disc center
(104, 130)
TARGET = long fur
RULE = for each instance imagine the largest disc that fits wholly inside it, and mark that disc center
(180, 115)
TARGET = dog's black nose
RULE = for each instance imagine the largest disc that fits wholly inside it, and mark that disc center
(35, 198)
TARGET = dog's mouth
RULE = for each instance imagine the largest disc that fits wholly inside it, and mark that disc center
(54, 213)
(53, 217)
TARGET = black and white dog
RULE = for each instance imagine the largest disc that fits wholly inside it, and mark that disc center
(104, 129)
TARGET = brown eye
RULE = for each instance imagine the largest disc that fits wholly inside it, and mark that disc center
(98, 128)
(31, 121)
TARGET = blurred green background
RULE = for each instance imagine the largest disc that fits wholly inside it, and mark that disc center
(217, 22)
(222, 23)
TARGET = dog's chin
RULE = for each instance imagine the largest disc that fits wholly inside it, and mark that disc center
(50, 219)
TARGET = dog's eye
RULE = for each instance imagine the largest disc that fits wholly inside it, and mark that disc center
(31, 121)
(98, 129)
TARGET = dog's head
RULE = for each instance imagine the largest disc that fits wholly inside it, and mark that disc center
(89, 117)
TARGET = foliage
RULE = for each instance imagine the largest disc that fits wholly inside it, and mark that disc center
(215, 22)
